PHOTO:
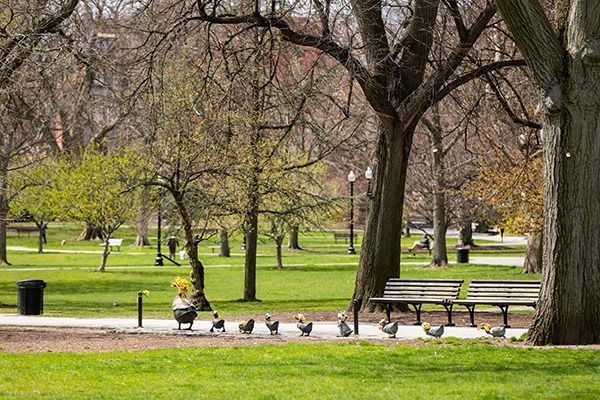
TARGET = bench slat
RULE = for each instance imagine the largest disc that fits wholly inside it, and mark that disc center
(516, 302)
(421, 294)
(421, 281)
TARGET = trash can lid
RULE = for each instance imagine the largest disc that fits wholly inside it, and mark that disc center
(31, 283)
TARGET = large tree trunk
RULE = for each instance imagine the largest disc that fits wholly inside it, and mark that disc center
(198, 296)
(533, 255)
(3, 223)
(293, 243)
(143, 220)
(380, 255)
(465, 230)
(440, 226)
(251, 233)
(4, 207)
(90, 233)
(567, 71)
(569, 307)
(224, 250)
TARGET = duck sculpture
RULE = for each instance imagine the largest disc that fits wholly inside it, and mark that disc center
(345, 330)
(273, 326)
(247, 326)
(217, 323)
(184, 311)
(391, 328)
(305, 328)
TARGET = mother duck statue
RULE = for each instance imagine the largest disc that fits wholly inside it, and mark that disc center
(184, 311)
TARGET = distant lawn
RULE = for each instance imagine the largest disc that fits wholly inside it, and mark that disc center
(455, 370)
(82, 292)
(321, 278)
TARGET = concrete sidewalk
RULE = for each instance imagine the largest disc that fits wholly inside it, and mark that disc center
(321, 329)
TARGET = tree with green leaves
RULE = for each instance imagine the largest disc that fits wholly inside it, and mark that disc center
(35, 199)
(100, 190)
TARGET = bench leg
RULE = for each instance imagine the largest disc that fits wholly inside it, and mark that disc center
(418, 311)
(471, 309)
(505, 315)
(388, 312)
(448, 308)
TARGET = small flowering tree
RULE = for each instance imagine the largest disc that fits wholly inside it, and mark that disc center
(99, 190)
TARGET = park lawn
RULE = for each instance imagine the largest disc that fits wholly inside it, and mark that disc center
(318, 279)
(86, 293)
(359, 370)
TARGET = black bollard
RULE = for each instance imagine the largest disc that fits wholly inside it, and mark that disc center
(140, 295)
(356, 304)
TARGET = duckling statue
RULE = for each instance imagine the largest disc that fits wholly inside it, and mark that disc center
(247, 326)
(184, 311)
(302, 325)
(217, 323)
(435, 332)
(391, 328)
(273, 326)
(345, 330)
(496, 331)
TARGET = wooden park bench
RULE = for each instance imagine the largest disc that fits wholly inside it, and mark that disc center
(23, 229)
(417, 292)
(502, 294)
(343, 235)
(112, 242)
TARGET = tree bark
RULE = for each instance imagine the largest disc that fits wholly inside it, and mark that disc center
(533, 255)
(105, 253)
(251, 233)
(279, 256)
(40, 240)
(198, 296)
(465, 230)
(3, 224)
(4, 208)
(143, 220)
(224, 250)
(380, 255)
(90, 233)
(293, 243)
(440, 226)
(566, 69)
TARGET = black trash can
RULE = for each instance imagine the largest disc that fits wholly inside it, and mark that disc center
(31, 296)
(462, 255)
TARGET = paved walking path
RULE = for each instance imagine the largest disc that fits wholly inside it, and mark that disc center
(325, 330)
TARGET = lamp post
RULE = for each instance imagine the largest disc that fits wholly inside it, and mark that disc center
(159, 257)
(351, 179)
(369, 176)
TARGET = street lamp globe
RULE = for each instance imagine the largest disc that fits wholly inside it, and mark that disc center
(351, 177)
(369, 173)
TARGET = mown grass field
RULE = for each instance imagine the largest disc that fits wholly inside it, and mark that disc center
(358, 370)
(320, 278)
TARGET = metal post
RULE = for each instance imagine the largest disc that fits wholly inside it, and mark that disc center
(159, 257)
(356, 304)
(351, 247)
(140, 295)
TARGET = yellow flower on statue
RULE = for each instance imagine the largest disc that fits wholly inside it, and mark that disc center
(181, 284)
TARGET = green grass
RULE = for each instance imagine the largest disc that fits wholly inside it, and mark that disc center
(321, 278)
(360, 370)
